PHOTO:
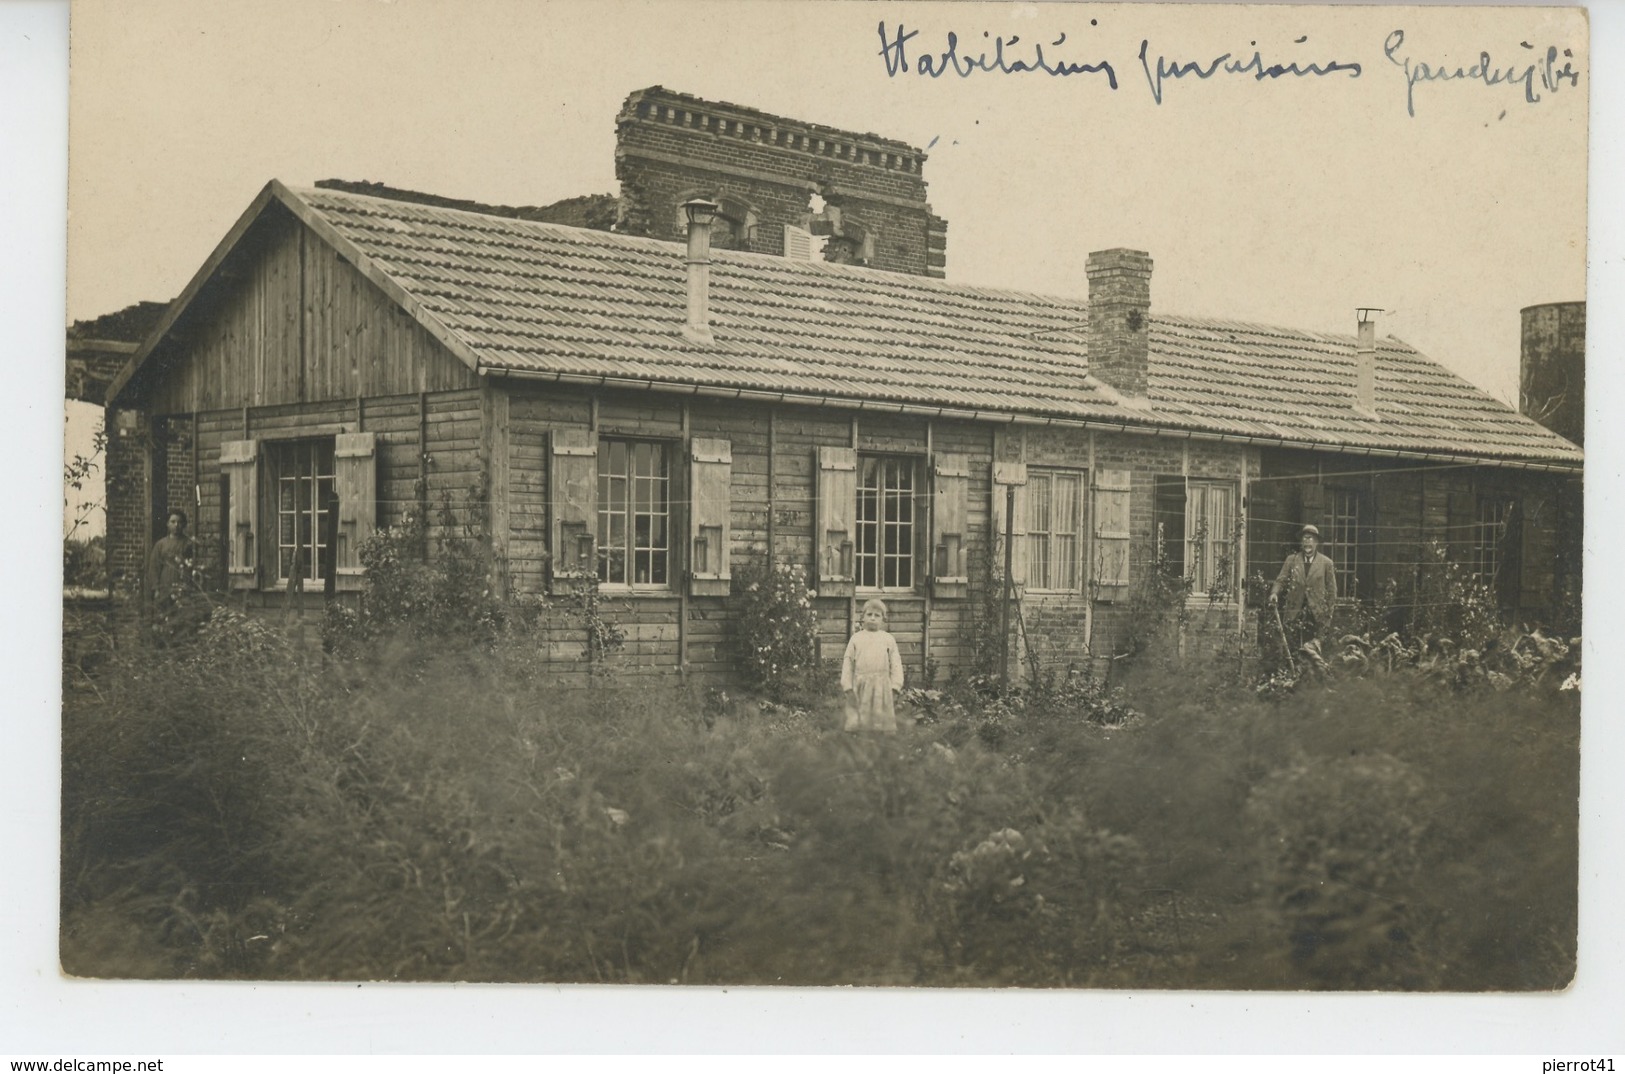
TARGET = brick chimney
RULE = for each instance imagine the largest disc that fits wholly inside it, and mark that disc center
(1119, 307)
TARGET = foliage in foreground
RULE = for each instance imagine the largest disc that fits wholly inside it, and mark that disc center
(241, 809)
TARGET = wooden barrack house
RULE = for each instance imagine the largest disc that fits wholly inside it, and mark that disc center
(654, 416)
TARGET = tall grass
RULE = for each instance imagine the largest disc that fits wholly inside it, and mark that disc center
(240, 810)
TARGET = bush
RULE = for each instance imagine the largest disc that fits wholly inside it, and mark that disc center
(776, 629)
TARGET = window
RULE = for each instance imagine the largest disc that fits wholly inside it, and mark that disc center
(1195, 533)
(1494, 544)
(885, 522)
(302, 486)
(1344, 529)
(1054, 502)
(634, 513)
(1210, 536)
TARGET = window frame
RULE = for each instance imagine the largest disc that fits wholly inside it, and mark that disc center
(1501, 551)
(275, 458)
(1204, 558)
(670, 550)
(1036, 565)
(1348, 544)
(911, 497)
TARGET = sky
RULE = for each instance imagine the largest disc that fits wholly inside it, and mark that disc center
(1451, 204)
(1287, 201)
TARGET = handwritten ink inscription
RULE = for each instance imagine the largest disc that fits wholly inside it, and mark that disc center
(1227, 63)
(904, 53)
(950, 61)
(1544, 71)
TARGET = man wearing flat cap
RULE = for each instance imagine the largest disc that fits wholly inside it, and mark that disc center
(1309, 581)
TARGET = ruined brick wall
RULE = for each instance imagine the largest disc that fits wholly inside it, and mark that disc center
(766, 169)
(1553, 368)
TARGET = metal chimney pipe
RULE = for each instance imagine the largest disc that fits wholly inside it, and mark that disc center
(1365, 361)
(700, 212)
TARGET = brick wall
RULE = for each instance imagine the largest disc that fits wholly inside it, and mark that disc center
(671, 147)
(127, 503)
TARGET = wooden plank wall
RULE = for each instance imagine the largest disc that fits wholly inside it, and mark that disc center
(287, 320)
(707, 638)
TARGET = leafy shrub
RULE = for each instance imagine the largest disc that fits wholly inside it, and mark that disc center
(1341, 850)
(444, 595)
(776, 629)
(84, 562)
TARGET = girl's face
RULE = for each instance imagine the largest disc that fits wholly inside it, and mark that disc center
(873, 620)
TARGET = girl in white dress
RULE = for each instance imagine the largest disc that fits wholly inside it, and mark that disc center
(870, 671)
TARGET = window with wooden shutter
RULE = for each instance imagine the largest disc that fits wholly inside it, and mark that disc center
(836, 536)
(1110, 512)
(1010, 488)
(239, 462)
(710, 471)
(355, 459)
(950, 482)
(574, 496)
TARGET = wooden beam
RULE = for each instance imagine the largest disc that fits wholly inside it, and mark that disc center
(772, 486)
(498, 483)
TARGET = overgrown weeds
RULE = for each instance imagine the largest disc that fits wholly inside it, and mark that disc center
(238, 810)
(438, 804)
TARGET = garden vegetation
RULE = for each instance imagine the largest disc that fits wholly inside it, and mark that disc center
(418, 805)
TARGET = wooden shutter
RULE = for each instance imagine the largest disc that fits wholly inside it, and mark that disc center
(574, 495)
(1168, 524)
(239, 461)
(1537, 585)
(950, 483)
(710, 472)
(1007, 476)
(1365, 578)
(1311, 510)
(798, 245)
(1111, 533)
(1461, 530)
(835, 540)
(355, 479)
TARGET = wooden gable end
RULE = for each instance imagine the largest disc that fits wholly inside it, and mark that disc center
(286, 318)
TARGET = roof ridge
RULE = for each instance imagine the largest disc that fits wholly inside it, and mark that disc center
(719, 257)
(537, 297)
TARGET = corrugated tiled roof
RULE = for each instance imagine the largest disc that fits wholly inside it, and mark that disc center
(528, 296)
